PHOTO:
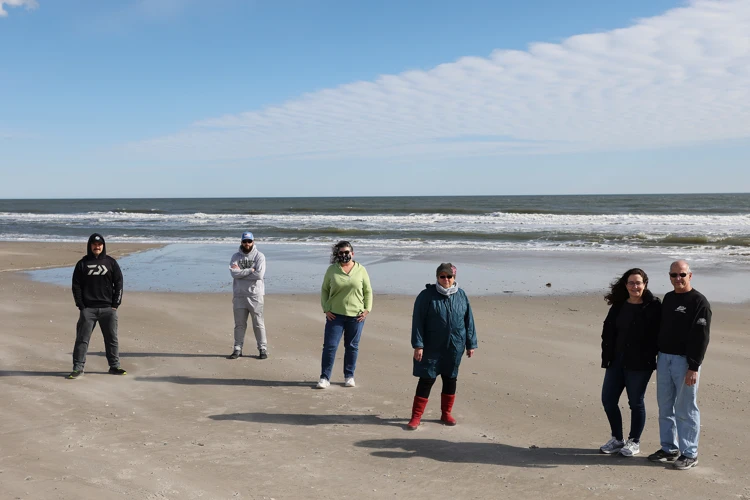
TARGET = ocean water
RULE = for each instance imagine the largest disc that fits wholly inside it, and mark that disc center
(501, 244)
(712, 227)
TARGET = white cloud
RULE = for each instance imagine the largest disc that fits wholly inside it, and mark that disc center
(678, 78)
(29, 4)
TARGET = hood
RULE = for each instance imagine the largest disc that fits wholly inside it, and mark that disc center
(92, 238)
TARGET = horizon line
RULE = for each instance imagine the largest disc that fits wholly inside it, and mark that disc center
(371, 196)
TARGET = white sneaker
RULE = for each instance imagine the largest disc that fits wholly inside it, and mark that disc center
(349, 382)
(323, 383)
(631, 448)
(612, 446)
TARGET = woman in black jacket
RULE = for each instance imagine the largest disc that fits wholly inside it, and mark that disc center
(629, 355)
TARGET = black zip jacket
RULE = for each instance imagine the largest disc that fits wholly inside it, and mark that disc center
(685, 326)
(641, 343)
(97, 281)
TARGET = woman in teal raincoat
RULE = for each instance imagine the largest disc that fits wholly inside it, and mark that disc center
(442, 329)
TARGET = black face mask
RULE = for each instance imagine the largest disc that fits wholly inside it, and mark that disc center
(345, 258)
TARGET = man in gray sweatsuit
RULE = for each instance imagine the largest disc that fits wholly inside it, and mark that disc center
(248, 267)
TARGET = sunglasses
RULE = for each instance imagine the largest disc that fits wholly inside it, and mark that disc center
(345, 252)
(681, 275)
(247, 241)
(445, 276)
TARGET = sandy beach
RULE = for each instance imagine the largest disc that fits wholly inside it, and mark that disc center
(187, 423)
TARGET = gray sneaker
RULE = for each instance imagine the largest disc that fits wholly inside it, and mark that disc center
(631, 448)
(663, 456)
(612, 446)
(684, 463)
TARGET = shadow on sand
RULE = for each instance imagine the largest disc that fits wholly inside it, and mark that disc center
(494, 453)
(21, 373)
(180, 379)
(304, 419)
(165, 355)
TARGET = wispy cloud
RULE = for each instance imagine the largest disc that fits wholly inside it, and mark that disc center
(677, 78)
(29, 4)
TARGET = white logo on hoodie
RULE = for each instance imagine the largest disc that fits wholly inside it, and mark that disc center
(96, 270)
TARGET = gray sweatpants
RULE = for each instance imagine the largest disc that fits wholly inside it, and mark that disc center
(87, 319)
(244, 307)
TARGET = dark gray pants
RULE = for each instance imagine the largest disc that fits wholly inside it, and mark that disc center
(107, 319)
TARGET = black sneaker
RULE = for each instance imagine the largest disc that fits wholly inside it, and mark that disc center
(263, 354)
(75, 374)
(663, 456)
(235, 354)
(117, 371)
(684, 462)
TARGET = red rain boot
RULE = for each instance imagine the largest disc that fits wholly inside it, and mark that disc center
(416, 413)
(446, 405)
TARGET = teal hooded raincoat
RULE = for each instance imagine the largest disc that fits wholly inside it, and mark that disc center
(442, 325)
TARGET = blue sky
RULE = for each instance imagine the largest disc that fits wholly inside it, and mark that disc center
(144, 98)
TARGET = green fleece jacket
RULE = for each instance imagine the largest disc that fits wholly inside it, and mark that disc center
(346, 294)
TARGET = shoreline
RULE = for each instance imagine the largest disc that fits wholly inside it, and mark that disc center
(295, 270)
(23, 253)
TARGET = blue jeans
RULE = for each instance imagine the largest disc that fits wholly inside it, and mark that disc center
(679, 417)
(351, 330)
(617, 378)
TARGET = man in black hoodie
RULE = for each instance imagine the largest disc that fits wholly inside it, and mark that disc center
(97, 291)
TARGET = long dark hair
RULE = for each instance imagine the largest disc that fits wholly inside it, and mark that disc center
(335, 250)
(618, 290)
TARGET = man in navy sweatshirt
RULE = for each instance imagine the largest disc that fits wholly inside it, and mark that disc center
(97, 291)
(683, 339)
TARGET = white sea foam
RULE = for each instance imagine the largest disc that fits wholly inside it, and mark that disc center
(506, 221)
(715, 236)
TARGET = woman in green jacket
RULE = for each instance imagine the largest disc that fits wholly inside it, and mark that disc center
(442, 329)
(346, 298)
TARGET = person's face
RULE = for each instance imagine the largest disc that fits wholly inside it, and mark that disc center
(680, 276)
(345, 254)
(247, 245)
(97, 247)
(446, 280)
(635, 286)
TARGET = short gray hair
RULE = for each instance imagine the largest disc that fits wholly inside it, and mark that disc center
(680, 263)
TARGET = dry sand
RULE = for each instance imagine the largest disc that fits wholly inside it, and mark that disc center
(187, 423)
